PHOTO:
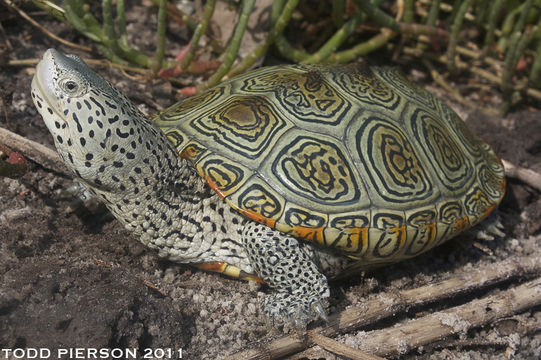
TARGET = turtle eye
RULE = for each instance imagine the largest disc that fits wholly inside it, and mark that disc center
(71, 87)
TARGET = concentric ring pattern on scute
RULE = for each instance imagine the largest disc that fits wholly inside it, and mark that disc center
(306, 96)
(351, 157)
(453, 166)
(317, 170)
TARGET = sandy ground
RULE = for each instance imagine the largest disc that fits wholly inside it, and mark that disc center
(83, 281)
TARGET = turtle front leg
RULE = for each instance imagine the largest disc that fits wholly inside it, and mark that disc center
(299, 287)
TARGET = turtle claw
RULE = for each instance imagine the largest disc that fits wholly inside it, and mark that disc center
(300, 321)
(496, 229)
(489, 229)
(318, 309)
(77, 189)
(85, 204)
(293, 315)
(82, 197)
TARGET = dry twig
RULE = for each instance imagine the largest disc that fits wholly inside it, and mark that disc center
(338, 348)
(34, 151)
(527, 176)
(400, 339)
(389, 305)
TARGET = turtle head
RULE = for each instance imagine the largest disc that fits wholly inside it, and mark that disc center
(96, 129)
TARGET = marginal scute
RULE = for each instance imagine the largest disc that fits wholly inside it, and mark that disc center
(225, 175)
(387, 235)
(349, 233)
(421, 228)
(490, 181)
(477, 202)
(450, 221)
(257, 200)
(353, 158)
(460, 130)
(175, 136)
(492, 160)
(303, 223)
(192, 151)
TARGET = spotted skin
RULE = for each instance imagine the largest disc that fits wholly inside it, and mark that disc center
(284, 175)
(300, 287)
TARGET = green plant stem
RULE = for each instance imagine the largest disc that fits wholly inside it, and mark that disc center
(276, 10)
(377, 15)
(109, 28)
(535, 72)
(509, 26)
(433, 13)
(408, 11)
(492, 19)
(178, 15)
(82, 21)
(336, 40)
(109, 54)
(521, 23)
(233, 48)
(198, 32)
(284, 47)
(54, 10)
(278, 27)
(121, 23)
(419, 29)
(455, 30)
(430, 21)
(482, 9)
(455, 8)
(517, 43)
(509, 22)
(289, 52)
(160, 47)
(372, 44)
(338, 11)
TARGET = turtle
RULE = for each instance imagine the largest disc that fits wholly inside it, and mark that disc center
(287, 175)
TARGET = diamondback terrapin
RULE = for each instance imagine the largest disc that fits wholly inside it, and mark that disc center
(285, 174)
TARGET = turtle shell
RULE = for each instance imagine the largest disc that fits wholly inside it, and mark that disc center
(350, 157)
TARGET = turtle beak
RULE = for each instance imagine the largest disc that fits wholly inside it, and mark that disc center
(44, 90)
(46, 72)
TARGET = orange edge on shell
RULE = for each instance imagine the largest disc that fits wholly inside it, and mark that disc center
(258, 217)
(226, 269)
(216, 266)
(188, 154)
(311, 234)
(214, 187)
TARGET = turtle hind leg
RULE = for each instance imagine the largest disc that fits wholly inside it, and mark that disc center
(490, 228)
(300, 289)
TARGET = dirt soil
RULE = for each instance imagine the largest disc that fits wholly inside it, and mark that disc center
(84, 281)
